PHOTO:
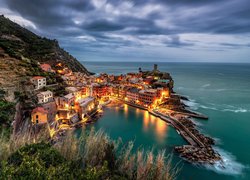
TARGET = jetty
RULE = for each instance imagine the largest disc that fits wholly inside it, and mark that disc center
(184, 132)
(200, 148)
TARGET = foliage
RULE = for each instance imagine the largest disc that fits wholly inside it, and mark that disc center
(39, 161)
(19, 42)
(96, 149)
(92, 155)
(92, 173)
(6, 113)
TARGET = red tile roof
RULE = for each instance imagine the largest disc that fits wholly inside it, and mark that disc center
(45, 67)
(39, 109)
(38, 77)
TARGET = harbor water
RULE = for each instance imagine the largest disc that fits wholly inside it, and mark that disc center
(220, 91)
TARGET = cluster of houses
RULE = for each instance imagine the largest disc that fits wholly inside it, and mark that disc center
(86, 92)
(74, 107)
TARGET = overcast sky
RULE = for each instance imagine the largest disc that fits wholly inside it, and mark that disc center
(140, 30)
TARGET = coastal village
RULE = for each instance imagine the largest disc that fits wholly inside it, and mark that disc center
(86, 95)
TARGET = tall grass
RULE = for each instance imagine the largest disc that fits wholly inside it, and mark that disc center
(95, 149)
(12, 144)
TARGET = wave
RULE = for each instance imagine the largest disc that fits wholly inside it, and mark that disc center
(225, 108)
(207, 107)
(220, 90)
(217, 140)
(228, 166)
(239, 110)
(205, 85)
(191, 104)
(197, 123)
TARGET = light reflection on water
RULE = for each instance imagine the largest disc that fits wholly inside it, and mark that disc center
(160, 127)
(149, 122)
(125, 107)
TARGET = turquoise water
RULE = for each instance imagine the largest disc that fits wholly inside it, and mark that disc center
(221, 91)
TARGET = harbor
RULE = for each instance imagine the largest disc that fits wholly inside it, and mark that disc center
(199, 148)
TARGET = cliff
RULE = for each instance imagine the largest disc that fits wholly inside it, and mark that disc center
(20, 43)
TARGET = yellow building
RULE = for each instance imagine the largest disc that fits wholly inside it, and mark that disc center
(39, 115)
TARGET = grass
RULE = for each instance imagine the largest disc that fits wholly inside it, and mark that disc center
(100, 157)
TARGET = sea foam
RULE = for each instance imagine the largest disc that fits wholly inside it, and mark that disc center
(228, 166)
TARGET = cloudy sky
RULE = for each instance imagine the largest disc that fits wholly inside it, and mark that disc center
(140, 30)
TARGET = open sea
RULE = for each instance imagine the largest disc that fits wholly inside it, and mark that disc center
(220, 91)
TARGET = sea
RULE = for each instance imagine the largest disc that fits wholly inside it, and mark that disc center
(219, 90)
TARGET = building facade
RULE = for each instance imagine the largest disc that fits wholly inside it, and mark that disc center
(86, 106)
(44, 97)
(132, 95)
(39, 82)
(147, 96)
(39, 116)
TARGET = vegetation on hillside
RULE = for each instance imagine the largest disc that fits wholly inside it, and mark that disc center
(93, 155)
(19, 42)
(7, 110)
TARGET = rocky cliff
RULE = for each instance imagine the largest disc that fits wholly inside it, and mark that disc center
(20, 43)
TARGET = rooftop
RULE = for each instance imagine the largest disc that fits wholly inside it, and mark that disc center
(45, 93)
(39, 109)
(85, 101)
(133, 90)
(72, 89)
(38, 77)
(69, 96)
(148, 91)
(45, 66)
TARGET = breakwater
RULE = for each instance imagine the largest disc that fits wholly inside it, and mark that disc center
(200, 148)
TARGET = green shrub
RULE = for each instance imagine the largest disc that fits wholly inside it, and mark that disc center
(91, 156)
(6, 112)
(39, 161)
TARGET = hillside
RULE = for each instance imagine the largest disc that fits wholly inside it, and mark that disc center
(19, 42)
(21, 52)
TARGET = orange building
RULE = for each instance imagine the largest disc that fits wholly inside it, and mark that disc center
(39, 115)
(46, 67)
(100, 90)
(148, 96)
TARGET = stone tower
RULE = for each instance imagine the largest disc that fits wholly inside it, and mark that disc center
(155, 67)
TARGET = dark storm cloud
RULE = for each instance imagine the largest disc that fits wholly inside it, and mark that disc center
(224, 18)
(103, 25)
(134, 22)
(176, 42)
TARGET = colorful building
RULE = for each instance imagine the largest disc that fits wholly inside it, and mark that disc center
(39, 116)
(100, 90)
(132, 95)
(147, 96)
(86, 106)
(46, 67)
(65, 102)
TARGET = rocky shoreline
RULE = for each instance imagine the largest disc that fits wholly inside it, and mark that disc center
(200, 153)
